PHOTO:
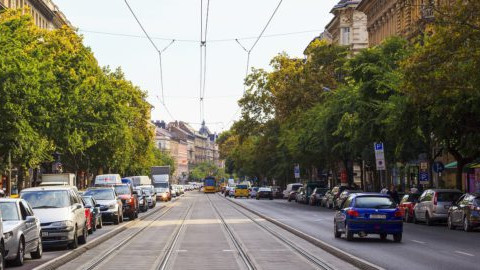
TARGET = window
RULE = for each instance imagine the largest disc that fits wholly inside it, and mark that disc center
(23, 211)
(345, 35)
(376, 202)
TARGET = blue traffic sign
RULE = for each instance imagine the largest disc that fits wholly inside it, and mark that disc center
(423, 176)
(378, 146)
(438, 167)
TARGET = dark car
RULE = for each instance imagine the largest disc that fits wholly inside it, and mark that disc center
(407, 204)
(142, 199)
(465, 212)
(94, 207)
(264, 193)
(369, 213)
(277, 192)
(317, 196)
(129, 200)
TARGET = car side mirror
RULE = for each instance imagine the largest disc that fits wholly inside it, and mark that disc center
(31, 219)
(79, 206)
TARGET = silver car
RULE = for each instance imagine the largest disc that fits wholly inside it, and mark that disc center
(433, 205)
(110, 204)
(61, 214)
(21, 231)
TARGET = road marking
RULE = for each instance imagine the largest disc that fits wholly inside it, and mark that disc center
(182, 250)
(418, 242)
(464, 253)
(227, 250)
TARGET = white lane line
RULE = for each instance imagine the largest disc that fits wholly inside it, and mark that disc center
(227, 250)
(418, 242)
(464, 253)
(182, 250)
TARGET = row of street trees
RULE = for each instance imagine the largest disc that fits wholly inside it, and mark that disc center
(56, 98)
(327, 111)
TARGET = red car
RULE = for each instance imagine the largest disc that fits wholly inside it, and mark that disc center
(407, 204)
(89, 219)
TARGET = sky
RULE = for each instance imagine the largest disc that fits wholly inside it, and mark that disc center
(116, 39)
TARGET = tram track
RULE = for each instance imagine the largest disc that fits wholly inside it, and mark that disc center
(94, 264)
(241, 251)
(305, 254)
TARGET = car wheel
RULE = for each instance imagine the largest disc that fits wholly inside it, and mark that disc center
(397, 237)
(466, 225)
(20, 253)
(37, 254)
(116, 221)
(428, 221)
(336, 233)
(383, 236)
(83, 238)
(2, 257)
(131, 216)
(74, 243)
(348, 234)
(450, 223)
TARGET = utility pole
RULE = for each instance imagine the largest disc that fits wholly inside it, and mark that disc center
(9, 179)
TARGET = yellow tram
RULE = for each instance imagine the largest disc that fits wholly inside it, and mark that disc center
(210, 185)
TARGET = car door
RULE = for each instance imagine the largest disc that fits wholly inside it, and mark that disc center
(341, 214)
(28, 227)
(455, 210)
(420, 207)
(78, 211)
(463, 208)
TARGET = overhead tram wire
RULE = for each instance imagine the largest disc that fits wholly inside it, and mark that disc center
(203, 58)
(162, 101)
(250, 51)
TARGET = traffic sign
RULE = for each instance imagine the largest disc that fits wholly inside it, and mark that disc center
(378, 147)
(438, 167)
(380, 165)
(423, 177)
(379, 156)
(296, 171)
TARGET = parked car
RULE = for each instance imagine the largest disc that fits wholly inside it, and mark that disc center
(264, 192)
(277, 192)
(368, 213)
(61, 214)
(465, 212)
(344, 195)
(231, 192)
(89, 218)
(110, 204)
(327, 199)
(142, 199)
(336, 191)
(317, 196)
(407, 203)
(290, 188)
(253, 192)
(129, 200)
(241, 191)
(433, 205)
(2, 240)
(301, 196)
(292, 196)
(21, 231)
(91, 203)
(149, 196)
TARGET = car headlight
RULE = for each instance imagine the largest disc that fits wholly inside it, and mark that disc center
(7, 235)
(112, 206)
(65, 223)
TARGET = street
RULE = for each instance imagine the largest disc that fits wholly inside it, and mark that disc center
(422, 247)
(200, 231)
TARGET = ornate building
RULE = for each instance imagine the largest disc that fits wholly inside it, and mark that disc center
(386, 18)
(45, 13)
(349, 26)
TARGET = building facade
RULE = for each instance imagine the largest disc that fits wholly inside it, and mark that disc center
(386, 18)
(45, 13)
(348, 26)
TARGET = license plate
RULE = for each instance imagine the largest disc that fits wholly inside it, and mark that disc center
(378, 216)
(44, 234)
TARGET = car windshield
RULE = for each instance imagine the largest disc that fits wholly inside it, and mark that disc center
(122, 189)
(101, 194)
(296, 187)
(161, 185)
(376, 202)
(265, 189)
(9, 211)
(146, 191)
(242, 187)
(320, 191)
(448, 196)
(88, 201)
(413, 197)
(47, 198)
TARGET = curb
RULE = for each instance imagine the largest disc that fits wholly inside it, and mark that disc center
(67, 257)
(354, 260)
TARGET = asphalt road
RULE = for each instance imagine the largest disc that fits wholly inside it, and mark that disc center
(423, 247)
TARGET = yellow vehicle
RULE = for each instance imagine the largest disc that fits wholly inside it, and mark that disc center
(209, 185)
(242, 191)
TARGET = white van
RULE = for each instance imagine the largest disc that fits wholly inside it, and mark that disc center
(290, 188)
(141, 180)
(108, 180)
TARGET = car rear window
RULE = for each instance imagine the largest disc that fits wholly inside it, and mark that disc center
(413, 197)
(448, 196)
(376, 202)
(296, 187)
(476, 201)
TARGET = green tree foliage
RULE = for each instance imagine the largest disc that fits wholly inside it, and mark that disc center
(55, 97)
(205, 169)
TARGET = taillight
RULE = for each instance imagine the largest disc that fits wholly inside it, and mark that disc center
(398, 213)
(352, 213)
(435, 198)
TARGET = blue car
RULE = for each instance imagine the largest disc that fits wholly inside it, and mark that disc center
(368, 213)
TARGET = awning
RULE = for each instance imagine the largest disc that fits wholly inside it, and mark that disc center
(451, 165)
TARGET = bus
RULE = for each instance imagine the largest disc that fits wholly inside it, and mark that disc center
(209, 185)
